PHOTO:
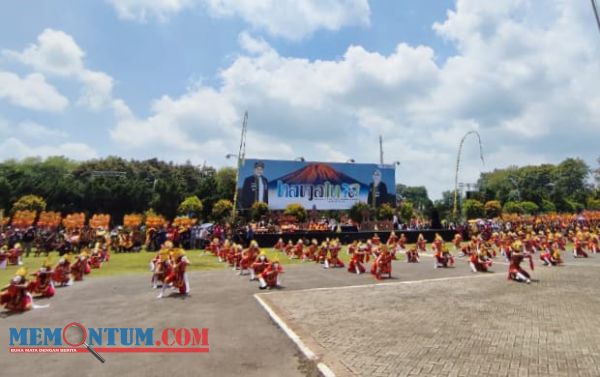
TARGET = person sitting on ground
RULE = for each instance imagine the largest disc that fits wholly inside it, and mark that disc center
(382, 265)
(357, 259)
(271, 276)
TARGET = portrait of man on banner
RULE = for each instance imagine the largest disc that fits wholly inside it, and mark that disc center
(255, 187)
(378, 192)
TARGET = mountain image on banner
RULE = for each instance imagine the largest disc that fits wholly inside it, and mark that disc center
(316, 174)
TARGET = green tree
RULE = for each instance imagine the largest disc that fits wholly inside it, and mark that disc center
(573, 206)
(529, 208)
(226, 182)
(258, 210)
(571, 184)
(593, 204)
(406, 212)
(498, 184)
(296, 210)
(359, 212)
(445, 205)
(548, 206)
(222, 210)
(473, 209)
(493, 209)
(29, 203)
(385, 212)
(417, 195)
(191, 204)
(512, 207)
(597, 176)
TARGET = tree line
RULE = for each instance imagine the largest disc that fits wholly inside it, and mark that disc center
(117, 186)
(568, 187)
(114, 185)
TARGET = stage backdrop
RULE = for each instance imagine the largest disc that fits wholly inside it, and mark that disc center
(319, 185)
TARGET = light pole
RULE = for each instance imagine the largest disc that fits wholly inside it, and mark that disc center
(596, 14)
(241, 156)
(237, 178)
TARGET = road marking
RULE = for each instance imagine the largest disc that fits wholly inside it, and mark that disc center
(308, 353)
(481, 275)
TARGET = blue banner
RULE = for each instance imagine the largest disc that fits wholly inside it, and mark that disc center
(315, 185)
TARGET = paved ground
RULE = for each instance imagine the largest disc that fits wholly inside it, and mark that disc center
(471, 326)
(245, 342)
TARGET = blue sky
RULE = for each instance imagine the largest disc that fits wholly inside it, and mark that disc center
(322, 79)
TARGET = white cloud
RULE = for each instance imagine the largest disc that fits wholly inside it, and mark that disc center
(31, 92)
(525, 76)
(143, 10)
(17, 149)
(33, 130)
(97, 90)
(182, 123)
(292, 19)
(57, 54)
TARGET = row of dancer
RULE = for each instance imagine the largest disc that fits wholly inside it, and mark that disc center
(18, 295)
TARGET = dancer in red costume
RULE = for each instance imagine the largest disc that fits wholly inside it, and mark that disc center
(214, 247)
(457, 242)
(382, 265)
(333, 260)
(392, 239)
(310, 252)
(438, 243)
(235, 256)
(480, 260)
(443, 258)
(402, 243)
(15, 297)
(352, 247)
(376, 240)
(96, 259)
(222, 251)
(62, 272)
(515, 271)
(593, 242)
(162, 266)
(178, 278)
(271, 276)
(298, 249)
(357, 258)
(248, 258)
(15, 255)
(260, 265)
(322, 253)
(421, 243)
(42, 284)
(412, 255)
(289, 249)
(80, 266)
(550, 256)
(578, 250)
(101, 247)
(280, 245)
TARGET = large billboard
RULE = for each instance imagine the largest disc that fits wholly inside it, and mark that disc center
(315, 185)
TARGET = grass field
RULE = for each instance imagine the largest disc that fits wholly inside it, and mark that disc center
(138, 263)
